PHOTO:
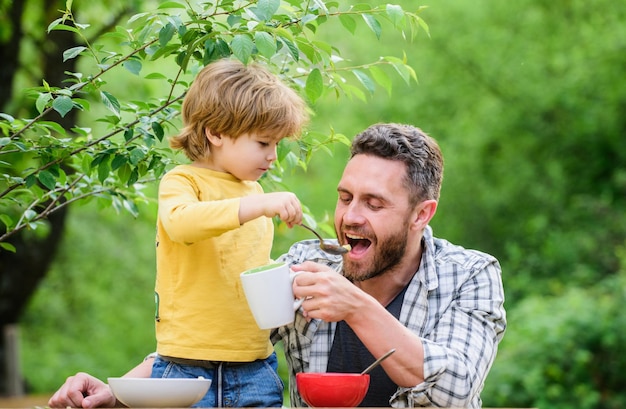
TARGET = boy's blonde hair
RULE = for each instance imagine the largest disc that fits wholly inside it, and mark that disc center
(231, 99)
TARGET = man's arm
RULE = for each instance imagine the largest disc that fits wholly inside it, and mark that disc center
(332, 298)
(446, 366)
(460, 347)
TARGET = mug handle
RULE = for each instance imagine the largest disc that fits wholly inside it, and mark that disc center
(297, 303)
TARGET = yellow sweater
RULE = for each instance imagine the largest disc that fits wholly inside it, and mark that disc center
(202, 312)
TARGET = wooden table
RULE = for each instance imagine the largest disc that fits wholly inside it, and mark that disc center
(32, 401)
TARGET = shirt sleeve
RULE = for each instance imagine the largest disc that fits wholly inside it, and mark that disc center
(461, 346)
(188, 219)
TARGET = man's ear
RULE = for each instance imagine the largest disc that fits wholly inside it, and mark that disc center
(213, 138)
(424, 212)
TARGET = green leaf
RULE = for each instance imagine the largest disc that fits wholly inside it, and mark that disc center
(404, 70)
(155, 76)
(137, 17)
(166, 34)
(63, 27)
(55, 127)
(171, 5)
(62, 105)
(215, 49)
(103, 171)
(396, 15)
(72, 52)
(8, 247)
(293, 50)
(265, 43)
(158, 130)
(282, 32)
(133, 177)
(30, 181)
(131, 207)
(30, 215)
(6, 219)
(233, 20)
(182, 59)
(118, 161)
(308, 50)
(55, 23)
(124, 172)
(265, 9)
(7, 117)
(381, 78)
(110, 102)
(365, 80)
(136, 156)
(82, 104)
(101, 157)
(164, 51)
(347, 21)
(42, 101)
(373, 24)
(128, 134)
(47, 179)
(314, 85)
(242, 47)
(133, 66)
(306, 19)
(81, 131)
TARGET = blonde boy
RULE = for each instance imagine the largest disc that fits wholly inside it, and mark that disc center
(214, 221)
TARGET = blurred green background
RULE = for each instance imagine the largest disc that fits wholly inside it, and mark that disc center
(528, 102)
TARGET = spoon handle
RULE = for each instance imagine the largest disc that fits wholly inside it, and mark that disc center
(378, 361)
(312, 231)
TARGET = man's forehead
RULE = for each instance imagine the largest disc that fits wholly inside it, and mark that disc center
(373, 174)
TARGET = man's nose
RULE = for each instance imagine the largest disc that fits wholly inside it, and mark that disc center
(352, 214)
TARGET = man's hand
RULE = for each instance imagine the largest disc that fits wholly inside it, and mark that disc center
(328, 296)
(83, 391)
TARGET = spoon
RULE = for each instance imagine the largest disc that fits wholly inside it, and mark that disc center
(378, 361)
(328, 247)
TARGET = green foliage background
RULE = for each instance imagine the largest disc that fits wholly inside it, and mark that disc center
(527, 100)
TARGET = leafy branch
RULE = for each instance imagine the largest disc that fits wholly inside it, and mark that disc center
(45, 167)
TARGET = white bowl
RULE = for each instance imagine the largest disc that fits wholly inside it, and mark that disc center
(159, 392)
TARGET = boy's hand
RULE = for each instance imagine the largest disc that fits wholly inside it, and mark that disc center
(282, 204)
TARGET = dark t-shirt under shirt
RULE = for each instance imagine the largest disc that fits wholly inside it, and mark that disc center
(348, 354)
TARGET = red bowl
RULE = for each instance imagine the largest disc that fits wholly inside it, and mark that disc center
(331, 389)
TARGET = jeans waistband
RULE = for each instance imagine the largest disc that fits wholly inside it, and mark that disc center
(201, 363)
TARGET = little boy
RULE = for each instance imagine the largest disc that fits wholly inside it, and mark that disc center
(214, 221)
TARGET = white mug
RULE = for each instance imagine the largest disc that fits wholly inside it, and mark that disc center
(269, 292)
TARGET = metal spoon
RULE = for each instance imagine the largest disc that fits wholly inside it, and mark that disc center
(378, 361)
(328, 247)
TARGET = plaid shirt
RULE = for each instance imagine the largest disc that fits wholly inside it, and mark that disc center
(455, 303)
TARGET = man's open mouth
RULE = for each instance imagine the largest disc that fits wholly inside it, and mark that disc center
(359, 244)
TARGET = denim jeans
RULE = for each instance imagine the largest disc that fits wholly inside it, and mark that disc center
(253, 384)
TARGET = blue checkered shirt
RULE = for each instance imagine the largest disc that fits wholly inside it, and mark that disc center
(455, 303)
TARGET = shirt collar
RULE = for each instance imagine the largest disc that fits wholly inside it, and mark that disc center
(427, 272)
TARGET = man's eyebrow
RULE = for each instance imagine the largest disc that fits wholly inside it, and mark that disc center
(366, 196)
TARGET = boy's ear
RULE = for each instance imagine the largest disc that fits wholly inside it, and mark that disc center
(214, 138)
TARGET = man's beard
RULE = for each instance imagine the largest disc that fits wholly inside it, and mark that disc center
(389, 253)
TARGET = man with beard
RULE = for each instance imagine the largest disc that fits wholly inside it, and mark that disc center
(439, 305)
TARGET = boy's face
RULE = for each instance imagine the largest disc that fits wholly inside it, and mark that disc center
(247, 157)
